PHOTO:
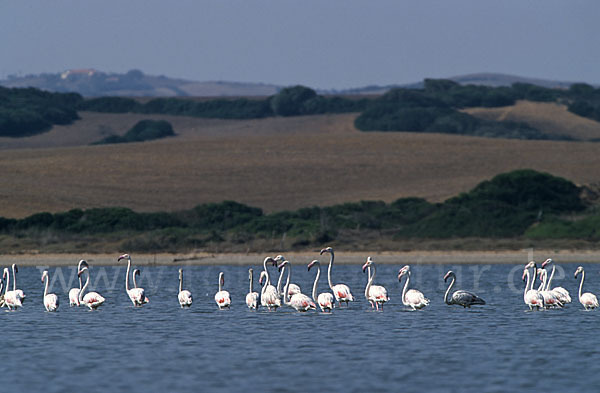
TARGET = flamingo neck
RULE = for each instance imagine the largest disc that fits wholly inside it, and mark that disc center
(7, 282)
(534, 276)
(447, 290)
(46, 286)
(581, 283)
(220, 285)
(329, 270)
(14, 278)
(527, 284)
(371, 278)
(279, 280)
(127, 275)
(267, 273)
(180, 281)
(286, 295)
(543, 281)
(314, 291)
(405, 288)
(87, 281)
(551, 277)
(251, 283)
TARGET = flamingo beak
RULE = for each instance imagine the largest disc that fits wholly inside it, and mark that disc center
(364, 267)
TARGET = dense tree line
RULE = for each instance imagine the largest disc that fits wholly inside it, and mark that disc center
(143, 130)
(519, 203)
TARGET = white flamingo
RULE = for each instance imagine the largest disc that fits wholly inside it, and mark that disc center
(184, 296)
(269, 296)
(340, 291)
(251, 297)
(19, 292)
(412, 298)
(294, 288)
(551, 299)
(222, 297)
(531, 297)
(298, 301)
(92, 299)
(460, 297)
(74, 292)
(375, 294)
(50, 299)
(325, 300)
(12, 300)
(588, 300)
(563, 295)
(137, 295)
(137, 273)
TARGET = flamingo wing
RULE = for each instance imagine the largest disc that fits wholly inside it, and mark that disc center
(466, 299)
(51, 302)
(302, 302)
(589, 300)
(416, 299)
(222, 299)
(93, 300)
(326, 301)
(252, 300)
(137, 296)
(185, 298)
(562, 294)
(74, 297)
(342, 293)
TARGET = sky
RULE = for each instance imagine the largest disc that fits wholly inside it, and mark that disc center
(324, 44)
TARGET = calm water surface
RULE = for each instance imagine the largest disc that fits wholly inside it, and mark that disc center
(161, 348)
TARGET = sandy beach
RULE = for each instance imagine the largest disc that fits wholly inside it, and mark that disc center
(341, 257)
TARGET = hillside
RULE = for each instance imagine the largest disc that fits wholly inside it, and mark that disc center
(274, 163)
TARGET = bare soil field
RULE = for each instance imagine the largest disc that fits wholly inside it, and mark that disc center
(275, 164)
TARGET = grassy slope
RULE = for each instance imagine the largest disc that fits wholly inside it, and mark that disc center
(275, 164)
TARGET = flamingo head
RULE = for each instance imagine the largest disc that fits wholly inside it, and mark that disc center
(326, 249)
(282, 264)
(278, 259)
(250, 272)
(403, 271)
(530, 265)
(367, 264)
(124, 256)
(547, 262)
(448, 275)
(542, 272)
(525, 273)
(44, 275)
(313, 263)
(136, 272)
(579, 270)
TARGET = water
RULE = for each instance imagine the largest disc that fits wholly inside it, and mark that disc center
(161, 348)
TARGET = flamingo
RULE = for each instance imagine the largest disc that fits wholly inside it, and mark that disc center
(184, 296)
(251, 297)
(340, 291)
(137, 272)
(15, 270)
(294, 288)
(325, 299)
(588, 300)
(269, 296)
(460, 297)
(137, 295)
(50, 299)
(531, 297)
(74, 292)
(551, 299)
(298, 301)
(222, 297)
(413, 298)
(92, 299)
(375, 294)
(12, 300)
(563, 295)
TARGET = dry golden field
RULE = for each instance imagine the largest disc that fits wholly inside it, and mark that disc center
(275, 164)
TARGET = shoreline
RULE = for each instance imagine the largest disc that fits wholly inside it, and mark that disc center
(341, 257)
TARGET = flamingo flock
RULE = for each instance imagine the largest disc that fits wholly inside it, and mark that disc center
(272, 297)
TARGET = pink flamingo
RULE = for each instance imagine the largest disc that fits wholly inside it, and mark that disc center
(563, 295)
(15, 270)
(298, 301)
(588, 300)
(412, 298)
(74, 292)
(184, 296)
(325, 300)
(294, 288)
(340, 291)
(50, 299)
(375, 294)
(269, 296)
(251, 297)
(136, 295)
(531, 297)
(222, 297)
(12, 300)
(551, 299)
(92, 299)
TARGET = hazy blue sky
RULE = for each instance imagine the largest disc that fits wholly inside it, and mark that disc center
(318, 43)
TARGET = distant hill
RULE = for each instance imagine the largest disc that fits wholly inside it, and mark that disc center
(94, 83)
